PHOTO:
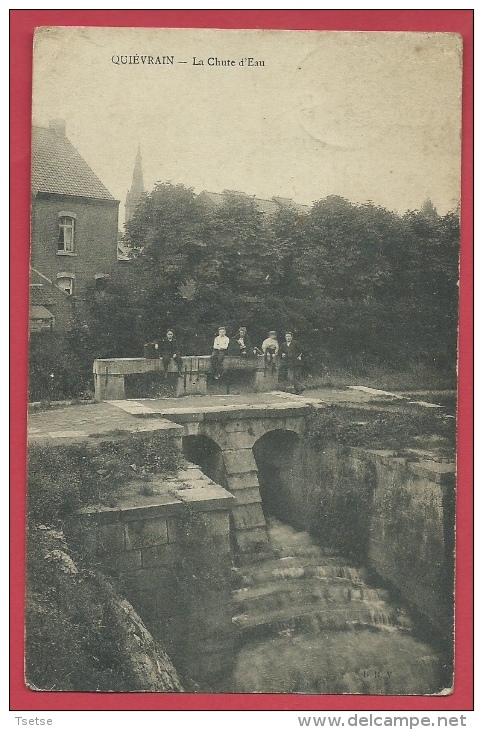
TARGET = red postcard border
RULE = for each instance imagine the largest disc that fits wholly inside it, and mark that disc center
(22, 25)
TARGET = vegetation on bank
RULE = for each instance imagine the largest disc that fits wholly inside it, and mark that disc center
(362, 287)
(66, 478)
(80, 635)
(398, 426)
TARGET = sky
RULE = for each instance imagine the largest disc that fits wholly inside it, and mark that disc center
(368, 116)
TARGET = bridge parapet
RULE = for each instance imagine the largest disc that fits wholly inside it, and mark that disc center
(110, 374)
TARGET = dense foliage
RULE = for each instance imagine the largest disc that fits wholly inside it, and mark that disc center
(356, 282)
(359, 285)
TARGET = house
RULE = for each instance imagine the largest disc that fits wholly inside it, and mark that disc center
(74, 227)
(51, 308)
(267, 207)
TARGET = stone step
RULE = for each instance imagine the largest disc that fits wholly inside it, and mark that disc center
(292, 620)
(312, 566)
(305, 591)
(298, 551)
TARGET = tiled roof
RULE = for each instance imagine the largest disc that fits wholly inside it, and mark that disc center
(269, 207)
(57, 167)
(43, 290)
(289, 203)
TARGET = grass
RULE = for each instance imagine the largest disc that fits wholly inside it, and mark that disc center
(64, 479)
(403, 427)
(416, 376)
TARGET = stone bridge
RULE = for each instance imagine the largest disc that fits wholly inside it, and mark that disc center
(221, 438)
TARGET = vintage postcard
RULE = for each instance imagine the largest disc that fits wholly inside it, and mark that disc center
(242, 368)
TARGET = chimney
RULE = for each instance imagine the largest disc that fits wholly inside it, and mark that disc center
(58, 125)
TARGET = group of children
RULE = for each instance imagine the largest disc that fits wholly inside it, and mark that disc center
(288, 354)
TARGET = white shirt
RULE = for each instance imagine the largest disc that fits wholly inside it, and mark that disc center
(270, 342)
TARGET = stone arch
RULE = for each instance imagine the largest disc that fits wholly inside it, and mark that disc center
(207, 454)
(277, 456)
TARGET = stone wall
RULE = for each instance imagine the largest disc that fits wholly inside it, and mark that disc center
(411, 540)
(170, 557)
(119, 378)
(392, 514)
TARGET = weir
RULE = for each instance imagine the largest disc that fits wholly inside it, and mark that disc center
(244, 565)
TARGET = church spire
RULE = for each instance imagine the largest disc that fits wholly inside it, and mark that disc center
(137, 186)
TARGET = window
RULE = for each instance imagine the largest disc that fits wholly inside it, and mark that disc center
(102, 281)
(65, 281)
(65, 242)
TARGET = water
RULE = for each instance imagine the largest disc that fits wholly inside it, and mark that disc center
(309, 622)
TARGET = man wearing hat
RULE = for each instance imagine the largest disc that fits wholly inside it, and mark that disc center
(291, 362)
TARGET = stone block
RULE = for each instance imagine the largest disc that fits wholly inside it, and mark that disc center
(204, 496)
(239, 461)
(233, 425)
(203, 491)
(265, 380)
(122, 562)
(146, 533)
(154, 580)
(192, 429)
(160, 556)
(109, 387)
(236, 440)
(102, 516)
(163, 508)
(243, 481)
(190, 473)
(110, 538)
(248, 516)
(250, 495)
(442, 473)
(254, 541)
(202, 527)
(173, 531)
(195, 384)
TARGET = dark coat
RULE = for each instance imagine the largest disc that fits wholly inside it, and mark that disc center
(235, 348)
(292, 352)
(168, 348)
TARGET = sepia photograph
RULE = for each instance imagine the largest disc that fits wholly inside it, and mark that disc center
(243, 325)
